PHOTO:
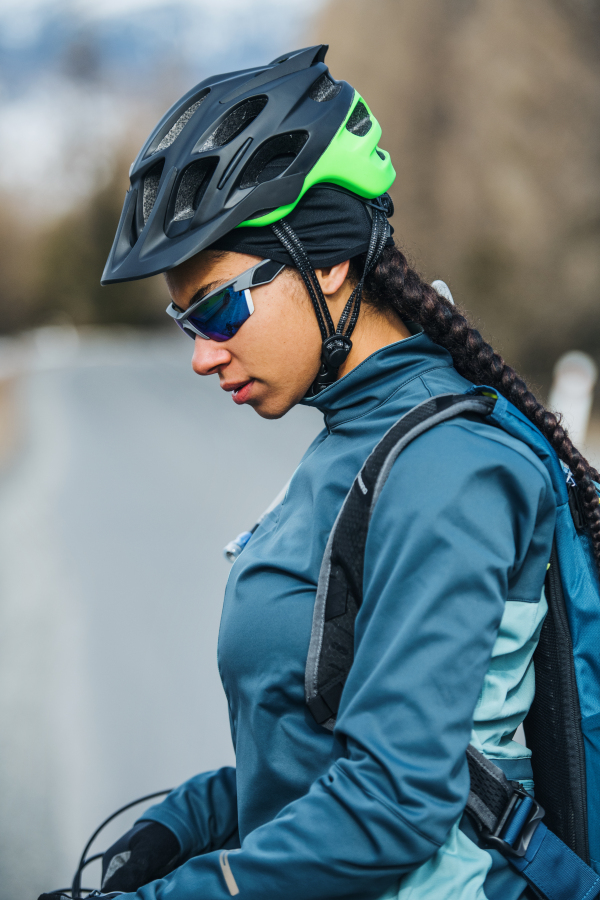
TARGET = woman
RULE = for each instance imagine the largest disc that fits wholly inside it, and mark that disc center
(262, 196)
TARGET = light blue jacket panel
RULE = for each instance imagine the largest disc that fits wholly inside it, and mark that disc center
(463, 525)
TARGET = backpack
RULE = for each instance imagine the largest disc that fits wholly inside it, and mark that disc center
(560, 856)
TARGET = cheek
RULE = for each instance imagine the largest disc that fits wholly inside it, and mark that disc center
(284, 325)
(297, 356)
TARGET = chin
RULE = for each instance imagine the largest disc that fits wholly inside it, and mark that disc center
(276, 402)
(271, 408)
(268, 413)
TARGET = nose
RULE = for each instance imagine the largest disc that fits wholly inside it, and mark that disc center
(209, 356)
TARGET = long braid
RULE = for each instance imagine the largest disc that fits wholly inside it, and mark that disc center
(393, 284)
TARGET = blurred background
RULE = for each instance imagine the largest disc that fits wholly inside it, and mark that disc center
(121, 474)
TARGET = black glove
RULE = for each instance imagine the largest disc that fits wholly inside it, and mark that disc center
(146, 852)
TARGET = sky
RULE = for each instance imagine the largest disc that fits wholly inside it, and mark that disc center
(100, 8)
(79, 80)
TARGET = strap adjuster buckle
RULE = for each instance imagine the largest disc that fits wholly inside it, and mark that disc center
(517, 825)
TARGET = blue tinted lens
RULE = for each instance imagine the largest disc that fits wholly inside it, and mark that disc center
(222, 315)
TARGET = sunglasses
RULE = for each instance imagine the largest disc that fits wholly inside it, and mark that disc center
(221, 313)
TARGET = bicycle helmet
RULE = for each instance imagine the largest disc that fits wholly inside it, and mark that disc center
(242, 149)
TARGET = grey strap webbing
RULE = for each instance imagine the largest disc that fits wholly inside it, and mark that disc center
(339, 590)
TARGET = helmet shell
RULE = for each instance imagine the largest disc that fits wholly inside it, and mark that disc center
(242, 149)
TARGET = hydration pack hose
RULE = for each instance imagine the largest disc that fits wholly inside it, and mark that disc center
(74, 892)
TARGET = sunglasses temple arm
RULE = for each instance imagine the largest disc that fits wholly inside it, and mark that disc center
(253, 284)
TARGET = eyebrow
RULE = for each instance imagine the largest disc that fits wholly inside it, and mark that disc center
(202, 291)
(205, 289)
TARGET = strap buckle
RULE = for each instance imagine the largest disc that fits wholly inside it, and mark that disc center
(517, 825)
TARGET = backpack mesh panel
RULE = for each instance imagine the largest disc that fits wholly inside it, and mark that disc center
(552, 726)
(192, 187)
(151, 185)
(496, 800)
(337, 651)
(179, 125)
(272, 158)
(324, 89)
(238, 119)
(360, 122)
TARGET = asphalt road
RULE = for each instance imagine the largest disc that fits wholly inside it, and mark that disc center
(130, 474)
(122, 476)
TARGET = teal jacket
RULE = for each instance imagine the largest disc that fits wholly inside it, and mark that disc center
(454, 568)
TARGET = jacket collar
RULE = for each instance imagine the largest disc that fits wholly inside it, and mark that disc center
(379, 376)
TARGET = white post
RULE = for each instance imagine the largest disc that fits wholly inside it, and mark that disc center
(441, 288)
(572, 392)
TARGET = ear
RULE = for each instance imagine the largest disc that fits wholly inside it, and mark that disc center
(333, 277)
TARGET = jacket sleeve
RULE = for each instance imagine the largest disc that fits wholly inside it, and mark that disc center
(202, 812)
(461, 515)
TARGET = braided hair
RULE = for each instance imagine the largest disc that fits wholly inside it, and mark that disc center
(393, 285)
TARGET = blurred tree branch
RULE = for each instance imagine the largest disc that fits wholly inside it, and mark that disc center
(53, 274)
(491, 113)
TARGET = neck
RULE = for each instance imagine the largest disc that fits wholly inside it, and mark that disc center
(373, 331)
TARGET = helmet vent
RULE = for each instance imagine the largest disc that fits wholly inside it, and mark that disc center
(234, 123)
(272, 158)
(324, 89)
(179, 125)
(192, 187)
(360, 121)
(151, 184)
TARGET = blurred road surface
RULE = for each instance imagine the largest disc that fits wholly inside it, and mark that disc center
(124, 475)
(130, 474)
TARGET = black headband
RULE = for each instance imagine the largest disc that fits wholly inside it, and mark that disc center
(333, 225)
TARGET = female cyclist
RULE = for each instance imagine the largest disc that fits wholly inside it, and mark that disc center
(262, 196)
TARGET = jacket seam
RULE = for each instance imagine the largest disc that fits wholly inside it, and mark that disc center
(461, 423)
(521, 600)
(388, 398)
(391, 809)
(425, 385)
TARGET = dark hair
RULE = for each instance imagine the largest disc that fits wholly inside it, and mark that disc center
(393, 285)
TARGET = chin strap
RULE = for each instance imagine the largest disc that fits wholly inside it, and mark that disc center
(336, 341)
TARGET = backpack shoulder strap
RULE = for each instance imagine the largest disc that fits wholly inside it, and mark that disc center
(339, 590)
(507, 818)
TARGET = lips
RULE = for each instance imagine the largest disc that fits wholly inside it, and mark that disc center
(240, 391)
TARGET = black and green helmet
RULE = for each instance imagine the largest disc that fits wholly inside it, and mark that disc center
(241, 149)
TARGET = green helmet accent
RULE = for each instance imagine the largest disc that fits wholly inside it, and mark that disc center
(352, 160)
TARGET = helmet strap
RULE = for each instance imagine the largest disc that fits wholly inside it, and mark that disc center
(336, 341)
(292, 243)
